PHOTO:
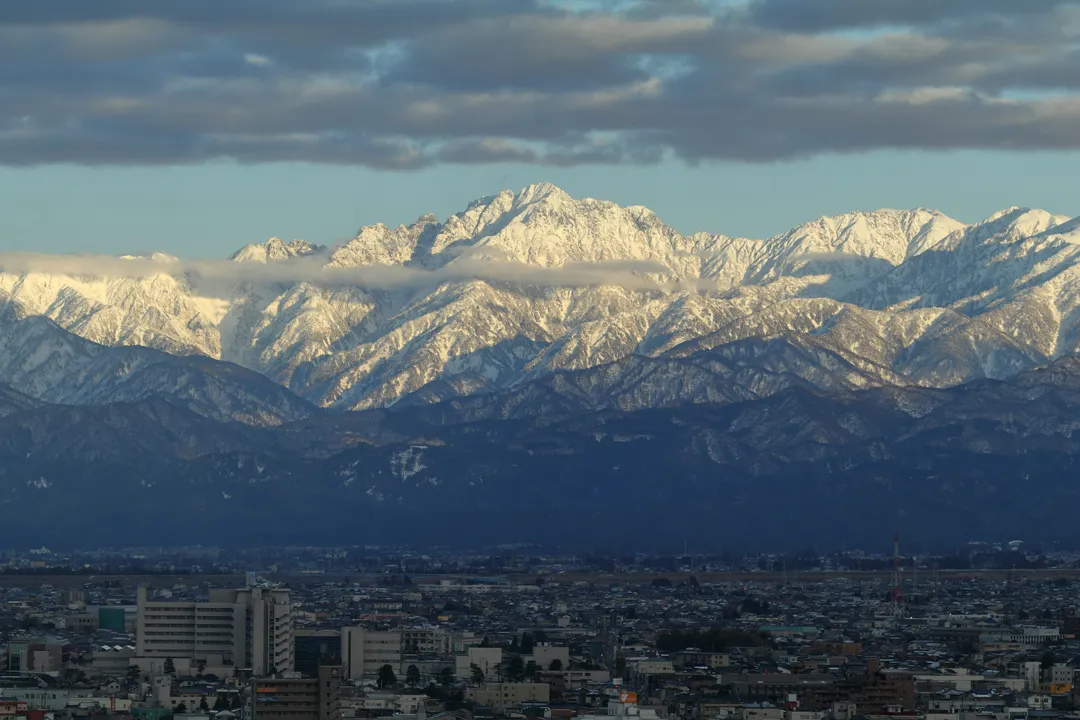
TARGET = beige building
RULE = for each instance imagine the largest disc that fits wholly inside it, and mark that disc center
(487, 659)
(250, 628)
(545, 655)
(426, 641)
(501, 697)
(364, 651)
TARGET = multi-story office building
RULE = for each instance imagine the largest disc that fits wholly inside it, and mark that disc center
(426, 641)
(364, 651)
(249, 628)
(315, 648)
(296, 698)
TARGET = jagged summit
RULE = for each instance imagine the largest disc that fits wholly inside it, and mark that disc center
(534, 285)
(275, 249)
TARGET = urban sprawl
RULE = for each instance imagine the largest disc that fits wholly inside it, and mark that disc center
(988, 632)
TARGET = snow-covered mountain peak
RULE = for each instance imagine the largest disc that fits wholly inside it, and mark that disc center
(881, 296)
(856, 246)
(274, 249)
(382, 245)
(1009, 226)
(542, 225)
(538, 192)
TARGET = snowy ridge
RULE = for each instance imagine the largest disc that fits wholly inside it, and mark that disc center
(275, 249)
(888, 297)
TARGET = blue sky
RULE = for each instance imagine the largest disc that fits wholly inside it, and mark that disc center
(196, 126)
(211, 210)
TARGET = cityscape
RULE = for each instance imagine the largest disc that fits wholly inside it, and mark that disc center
(539, 360)
(989, 631)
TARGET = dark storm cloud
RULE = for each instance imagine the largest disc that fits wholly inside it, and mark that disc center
(403, 84)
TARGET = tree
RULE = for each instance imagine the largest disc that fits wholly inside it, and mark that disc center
(180, 709)
(386, 677)
(515, 669)
(556, 665)
(527, 644)
(200, 667)
(169, 667)
(133, 674)
(221, 704)
(530, 670)
(477, 674)
(412, 675)
(203, 705)
(446, 677)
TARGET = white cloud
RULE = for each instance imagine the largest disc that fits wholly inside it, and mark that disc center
(257, 60)
(220, 276)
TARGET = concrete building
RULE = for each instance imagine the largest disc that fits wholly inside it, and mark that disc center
(501, 697)
(112, 659)
(315, 648)
(426, 641)
(250, 628)
(364, 651)
(297, 698)
(699, 658)
(487, 659)
(545, 655)
(18, 656)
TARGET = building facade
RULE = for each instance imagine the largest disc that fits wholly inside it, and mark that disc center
(298, 698)
(249, 628)
(364, 651)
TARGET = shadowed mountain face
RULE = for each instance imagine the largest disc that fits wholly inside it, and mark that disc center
(801, 466)
(867, 371)
(48, 364)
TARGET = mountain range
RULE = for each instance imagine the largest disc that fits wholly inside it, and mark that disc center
(539, 367)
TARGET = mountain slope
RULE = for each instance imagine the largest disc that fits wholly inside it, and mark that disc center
(522, 288)
(945, 465)
(50, 364)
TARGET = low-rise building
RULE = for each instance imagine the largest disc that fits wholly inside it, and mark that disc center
(501, 697)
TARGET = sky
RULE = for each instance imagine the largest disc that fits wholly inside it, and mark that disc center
(196, 126)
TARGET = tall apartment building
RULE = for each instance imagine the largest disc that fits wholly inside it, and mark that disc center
(250, 628)
(364, 651)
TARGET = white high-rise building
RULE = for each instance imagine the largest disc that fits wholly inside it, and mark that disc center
(248, 628)
(364, 651)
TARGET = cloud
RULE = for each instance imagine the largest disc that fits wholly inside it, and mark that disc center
(220, 277)
(818, 15)
(405, 84)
